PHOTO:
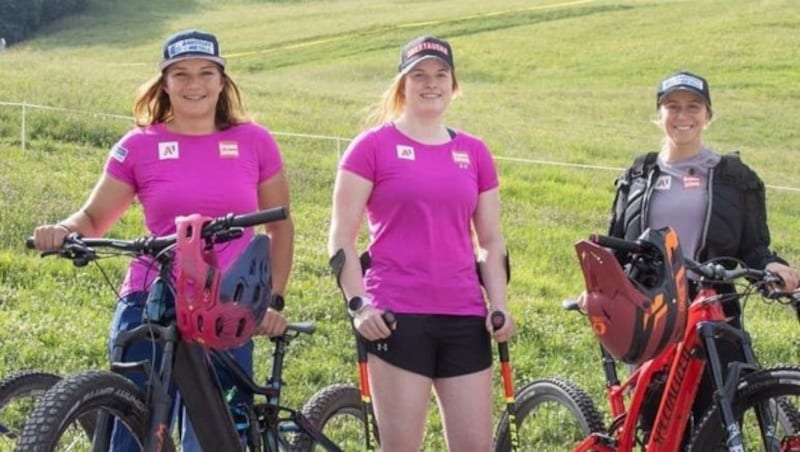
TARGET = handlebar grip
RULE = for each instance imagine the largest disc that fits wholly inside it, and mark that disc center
(29, 243)
(277, 302)
(389, 317)
(260, 217)
(498, 319)
(616, 243)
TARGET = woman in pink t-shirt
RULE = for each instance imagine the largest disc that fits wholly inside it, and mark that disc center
(193, 151)
(425, 188)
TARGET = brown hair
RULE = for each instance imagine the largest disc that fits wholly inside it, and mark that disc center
(152, 104)
(393, 101)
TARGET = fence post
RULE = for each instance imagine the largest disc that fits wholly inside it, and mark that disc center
(22, 133)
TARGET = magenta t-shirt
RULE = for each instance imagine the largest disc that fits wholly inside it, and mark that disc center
(420, 210)
(175, 174)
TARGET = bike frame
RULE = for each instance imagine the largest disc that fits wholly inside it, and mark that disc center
(188, 367)
(684, 363)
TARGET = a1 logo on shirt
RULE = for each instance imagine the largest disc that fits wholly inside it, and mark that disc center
(405, 152)
(168, 150)
(664, 182)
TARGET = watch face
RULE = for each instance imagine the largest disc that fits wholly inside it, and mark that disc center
(355, 303)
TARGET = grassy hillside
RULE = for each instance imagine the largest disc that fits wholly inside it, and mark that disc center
(568, 81)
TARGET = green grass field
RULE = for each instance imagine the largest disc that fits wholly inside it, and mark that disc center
(570, 82)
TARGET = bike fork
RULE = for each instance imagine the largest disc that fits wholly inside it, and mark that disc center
(725, 390)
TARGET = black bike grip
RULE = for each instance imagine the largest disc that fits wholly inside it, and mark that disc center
(277, 302)
(260, 217)
(498, 319)
(616, 243)
(389, 317)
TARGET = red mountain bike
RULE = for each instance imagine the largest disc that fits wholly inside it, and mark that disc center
(754, 409)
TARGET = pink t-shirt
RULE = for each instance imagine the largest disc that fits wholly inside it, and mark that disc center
(175, 174)
(420, 209)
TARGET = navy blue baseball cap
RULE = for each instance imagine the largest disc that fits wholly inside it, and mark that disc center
(190, 44)
(423, 48)
(685, 81)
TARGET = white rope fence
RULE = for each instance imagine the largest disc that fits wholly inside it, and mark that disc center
(340, 142)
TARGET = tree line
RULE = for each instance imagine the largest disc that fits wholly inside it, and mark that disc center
(21, 18)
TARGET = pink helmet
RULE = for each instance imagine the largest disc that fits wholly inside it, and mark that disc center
(219, 309)
(636, 313)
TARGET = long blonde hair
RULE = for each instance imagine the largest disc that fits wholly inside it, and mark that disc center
(153, 106)
(393, 101)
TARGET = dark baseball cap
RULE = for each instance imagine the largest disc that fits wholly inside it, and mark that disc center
(685, 81)
(423, 48)
(190, 44)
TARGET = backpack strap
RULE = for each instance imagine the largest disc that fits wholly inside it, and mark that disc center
(643, 163)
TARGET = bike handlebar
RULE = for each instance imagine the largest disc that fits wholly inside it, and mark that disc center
(220, 229)
(710, 270)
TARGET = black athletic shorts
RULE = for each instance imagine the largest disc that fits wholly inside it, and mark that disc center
(437, 346)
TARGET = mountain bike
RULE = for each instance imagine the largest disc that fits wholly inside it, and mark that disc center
(754, 409)
(332, 416)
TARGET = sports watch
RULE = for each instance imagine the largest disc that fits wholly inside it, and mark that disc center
(357, 304)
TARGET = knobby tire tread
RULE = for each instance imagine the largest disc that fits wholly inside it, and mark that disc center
(72, 398)
(761, 385)
(565, 392)
(326, 404)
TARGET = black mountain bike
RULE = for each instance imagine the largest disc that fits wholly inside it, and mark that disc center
(331, 420)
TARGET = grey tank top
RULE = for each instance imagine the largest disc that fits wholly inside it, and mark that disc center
(680, 197)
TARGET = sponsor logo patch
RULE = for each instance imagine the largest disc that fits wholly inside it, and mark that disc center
(664, 182)
(690, 182)
(168, 150)
(405, 152)
(461, 158)
(119, 153)
(228, 149)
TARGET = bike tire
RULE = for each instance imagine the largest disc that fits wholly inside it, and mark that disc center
(337, 412)
(552, 414)
(778, 387)
(19, 392)
(67, 405)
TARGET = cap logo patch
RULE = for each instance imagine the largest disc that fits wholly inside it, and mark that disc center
(191, 45)
(682, 79)
(423, 46)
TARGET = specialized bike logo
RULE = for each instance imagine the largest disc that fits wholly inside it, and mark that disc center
(168, 150)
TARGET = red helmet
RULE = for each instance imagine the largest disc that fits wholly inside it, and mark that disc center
(216, 308)
(635, 312)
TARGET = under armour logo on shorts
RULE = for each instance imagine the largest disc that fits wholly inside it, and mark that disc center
(382, 346)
